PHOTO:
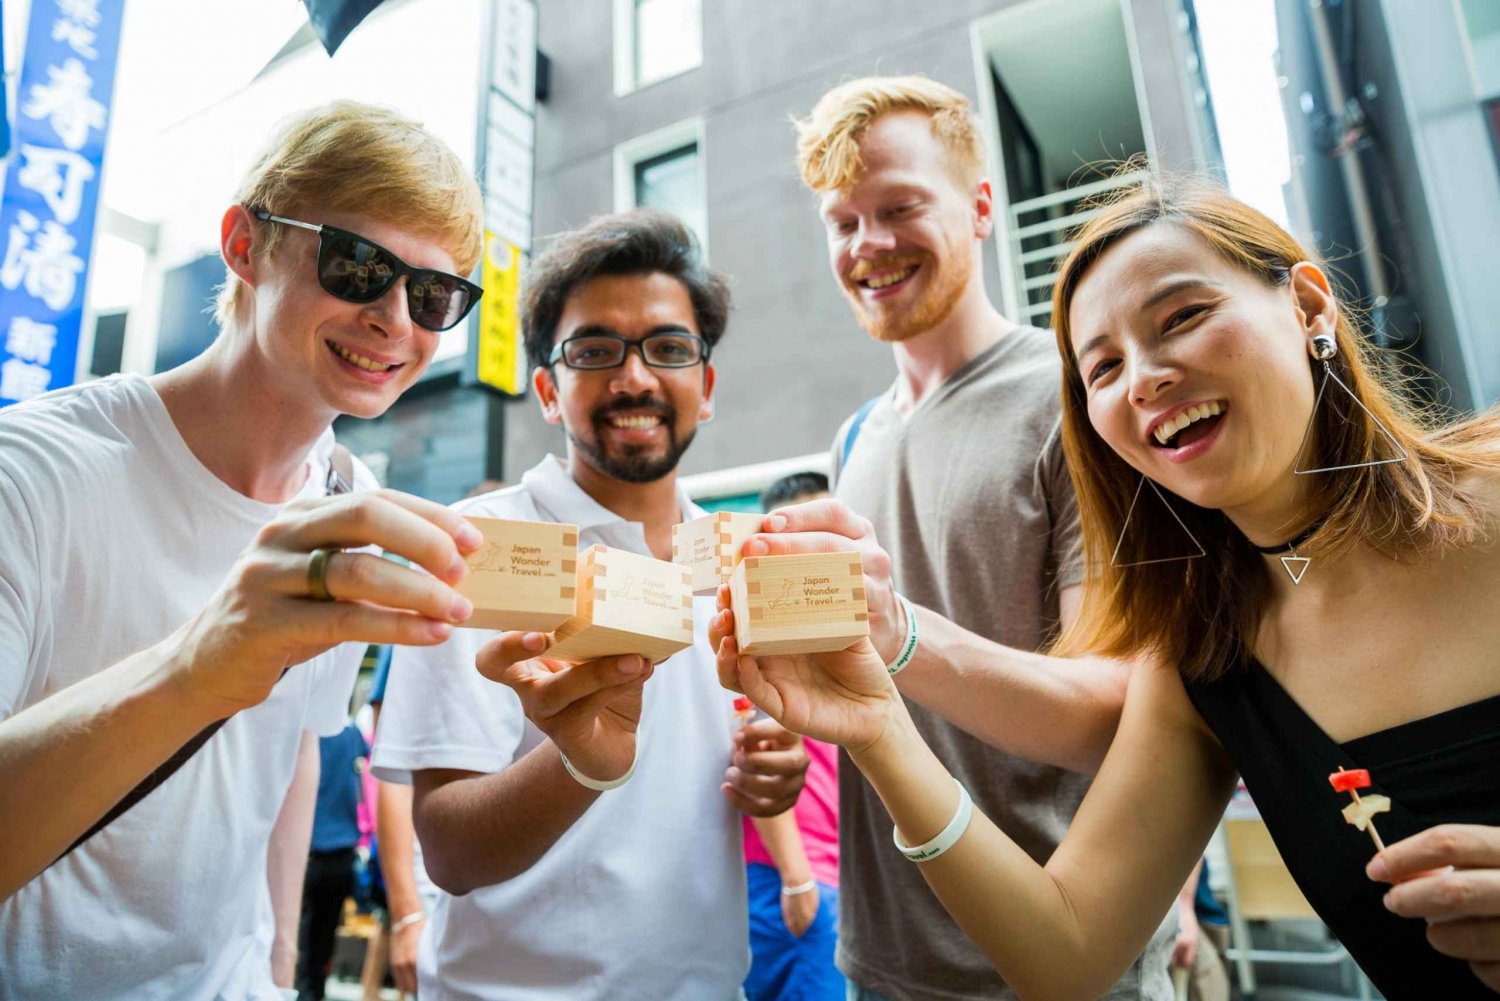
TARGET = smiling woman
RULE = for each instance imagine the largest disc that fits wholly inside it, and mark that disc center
(1220, 297)
(1205, 355)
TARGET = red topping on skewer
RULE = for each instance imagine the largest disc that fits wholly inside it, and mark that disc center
(744, 705)
(1348, 781)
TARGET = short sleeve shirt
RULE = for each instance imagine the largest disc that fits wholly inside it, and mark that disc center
(644, 896)
(971, 496)
(115, 535)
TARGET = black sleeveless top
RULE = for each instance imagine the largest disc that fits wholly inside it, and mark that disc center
(1439, 770)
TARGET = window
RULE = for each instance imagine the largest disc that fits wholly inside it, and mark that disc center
(664, 170)
(109, 343)
(656, 39)
(670, 182)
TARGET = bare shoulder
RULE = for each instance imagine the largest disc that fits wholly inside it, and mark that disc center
(1158, 696)
(1165, 750)
(1467, 575)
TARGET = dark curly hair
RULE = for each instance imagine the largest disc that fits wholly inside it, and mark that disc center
(639, 242)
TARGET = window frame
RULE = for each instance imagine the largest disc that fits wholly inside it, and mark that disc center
(627, 75)
(630, 155)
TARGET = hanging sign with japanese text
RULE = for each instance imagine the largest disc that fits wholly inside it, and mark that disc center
(52, 190)
(501, 362)
(509, 154)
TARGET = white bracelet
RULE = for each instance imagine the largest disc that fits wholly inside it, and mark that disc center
(596, 784)
(799, 889)
(407, 921)
(909, 648)
(947, 837)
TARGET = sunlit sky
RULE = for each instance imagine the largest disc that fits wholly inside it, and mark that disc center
(1239, 48)
(186, 119)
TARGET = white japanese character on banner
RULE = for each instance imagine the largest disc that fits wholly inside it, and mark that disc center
(30, 340)
(21, 380)
(46, 266)
(65, 102)
(79, 39)
(85, 12)
(58, 175)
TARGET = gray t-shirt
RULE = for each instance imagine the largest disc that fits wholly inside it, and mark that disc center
(970, 495)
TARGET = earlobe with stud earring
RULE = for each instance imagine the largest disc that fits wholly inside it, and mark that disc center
(1324, 348)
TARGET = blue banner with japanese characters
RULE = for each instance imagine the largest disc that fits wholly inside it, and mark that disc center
(52, 190)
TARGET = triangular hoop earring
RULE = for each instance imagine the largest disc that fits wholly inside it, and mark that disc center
(1324, 348)
(1114, 559)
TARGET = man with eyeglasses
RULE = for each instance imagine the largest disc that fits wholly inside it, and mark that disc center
(176, 598)
(584, 821)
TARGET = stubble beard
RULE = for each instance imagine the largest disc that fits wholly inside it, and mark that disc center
(936, 304)
(634, 464)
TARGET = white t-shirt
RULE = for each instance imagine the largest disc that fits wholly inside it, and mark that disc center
(644, 896)
(114, 535)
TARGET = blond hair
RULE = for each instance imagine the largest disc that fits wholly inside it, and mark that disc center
(351, 157)
(1200, 614)
(828, 139)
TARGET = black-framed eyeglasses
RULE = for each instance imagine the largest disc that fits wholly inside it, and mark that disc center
(663, 349)
(357, 269)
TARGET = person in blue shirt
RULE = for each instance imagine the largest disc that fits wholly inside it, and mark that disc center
(330, 863)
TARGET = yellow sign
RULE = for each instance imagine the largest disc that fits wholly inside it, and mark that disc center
(501, 357)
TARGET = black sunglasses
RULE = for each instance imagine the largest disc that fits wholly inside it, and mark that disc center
(355, 269)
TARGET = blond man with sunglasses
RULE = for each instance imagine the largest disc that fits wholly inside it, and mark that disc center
(176, 580)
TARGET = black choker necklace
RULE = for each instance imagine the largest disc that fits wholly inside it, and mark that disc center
(1294, 565)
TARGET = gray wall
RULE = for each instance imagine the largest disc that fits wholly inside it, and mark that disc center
(793, 364)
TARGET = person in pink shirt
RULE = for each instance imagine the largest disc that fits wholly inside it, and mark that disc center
(792, 860)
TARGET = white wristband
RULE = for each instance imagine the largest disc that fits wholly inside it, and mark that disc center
(799, 889)
(596, 784)
(947, 837)
(408, 921)
(909, 647)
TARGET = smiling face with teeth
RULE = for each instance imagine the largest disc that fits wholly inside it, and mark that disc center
(355, 358)
(902, 239)
(1195, 371)
(1168, 428)
(633, 422)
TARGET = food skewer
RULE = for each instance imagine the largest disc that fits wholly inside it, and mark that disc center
(1361, 812)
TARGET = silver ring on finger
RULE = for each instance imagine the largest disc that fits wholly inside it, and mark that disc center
(317, 573)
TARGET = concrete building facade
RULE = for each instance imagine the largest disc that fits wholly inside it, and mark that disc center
(794, 364)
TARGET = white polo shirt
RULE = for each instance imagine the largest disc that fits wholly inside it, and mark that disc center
(644, 896)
